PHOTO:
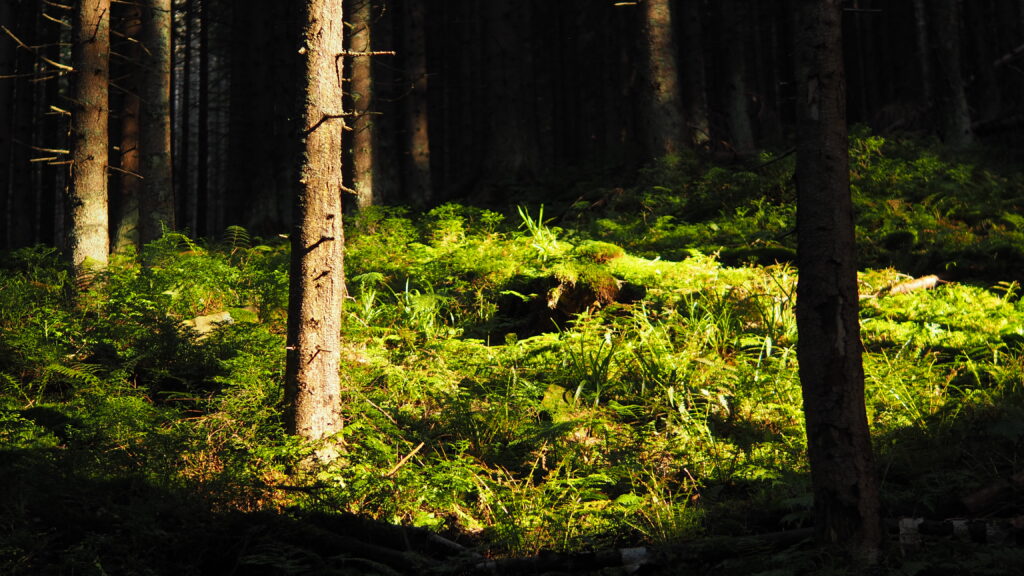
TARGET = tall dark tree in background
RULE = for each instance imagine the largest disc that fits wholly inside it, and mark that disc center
(361, 91)
(156, 203)
(735, 21)
(846, 501)
(663, 105)
(418, 186)
(312, 383)
(924, 53)
(950, 96)
(8, 67)
(263, 78)
(129, 187)
(479, 96)
(510, 152)
(90, 55)
(695, 91)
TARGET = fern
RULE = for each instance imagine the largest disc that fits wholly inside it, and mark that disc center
(81, 374)
(237, 238)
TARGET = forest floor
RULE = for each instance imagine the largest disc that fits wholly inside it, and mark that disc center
(602, 385)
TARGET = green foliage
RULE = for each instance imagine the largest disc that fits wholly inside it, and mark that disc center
(532, 384)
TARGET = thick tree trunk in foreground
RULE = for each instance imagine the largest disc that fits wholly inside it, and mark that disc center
(662, 111)
(156, 203)
(312, 385)
(90, 51)
(829, 347)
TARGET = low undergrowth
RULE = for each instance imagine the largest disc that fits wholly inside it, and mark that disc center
(515, 384)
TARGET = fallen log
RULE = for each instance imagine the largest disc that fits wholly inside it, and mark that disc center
(922, 283)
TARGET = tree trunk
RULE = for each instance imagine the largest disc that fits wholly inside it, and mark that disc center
(509, 154)
(23, 215)
(695, 91)
(7, 67)
(90, 52)
(662, 110)
(203, 134)
(386, 180)
(264, 78)
(418, 189)
(156, 203)
(362, 94)
(924, 53)
(735, 18)
(182, 107)
(987, 95)
(312, 385)
(951, 101)
(127, 233)
(829, 348)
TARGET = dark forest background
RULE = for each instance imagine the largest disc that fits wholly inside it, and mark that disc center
(516, 96)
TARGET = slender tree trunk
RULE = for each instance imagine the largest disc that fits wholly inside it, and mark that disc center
(695, 91)
(735, 16)
(53, 132)
(312, 386)
(203, 133)
(7, 67)
(89, 237)
(26, 214)
(988, 98)
(182, 114)
(509, 153)
(386, 180)
(156, 204)
(953, 113)
(924, 53)
(362, 93)
(843, 471)
(417, 125)
(662, 111)
(127, 233)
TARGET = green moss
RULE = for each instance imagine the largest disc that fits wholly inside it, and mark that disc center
(597, 251)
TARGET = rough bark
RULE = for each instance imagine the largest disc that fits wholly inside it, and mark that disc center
(954, 117)
(362, 93)
(418, 189)
(662, 111)
(312, 385)
(695, 92)
(90, 52)
(829, 348)
(156, 202)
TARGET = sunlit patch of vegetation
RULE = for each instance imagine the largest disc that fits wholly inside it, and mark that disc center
(608, 378)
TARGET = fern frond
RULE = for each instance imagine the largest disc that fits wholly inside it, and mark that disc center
(237, 238)
(84, 374)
